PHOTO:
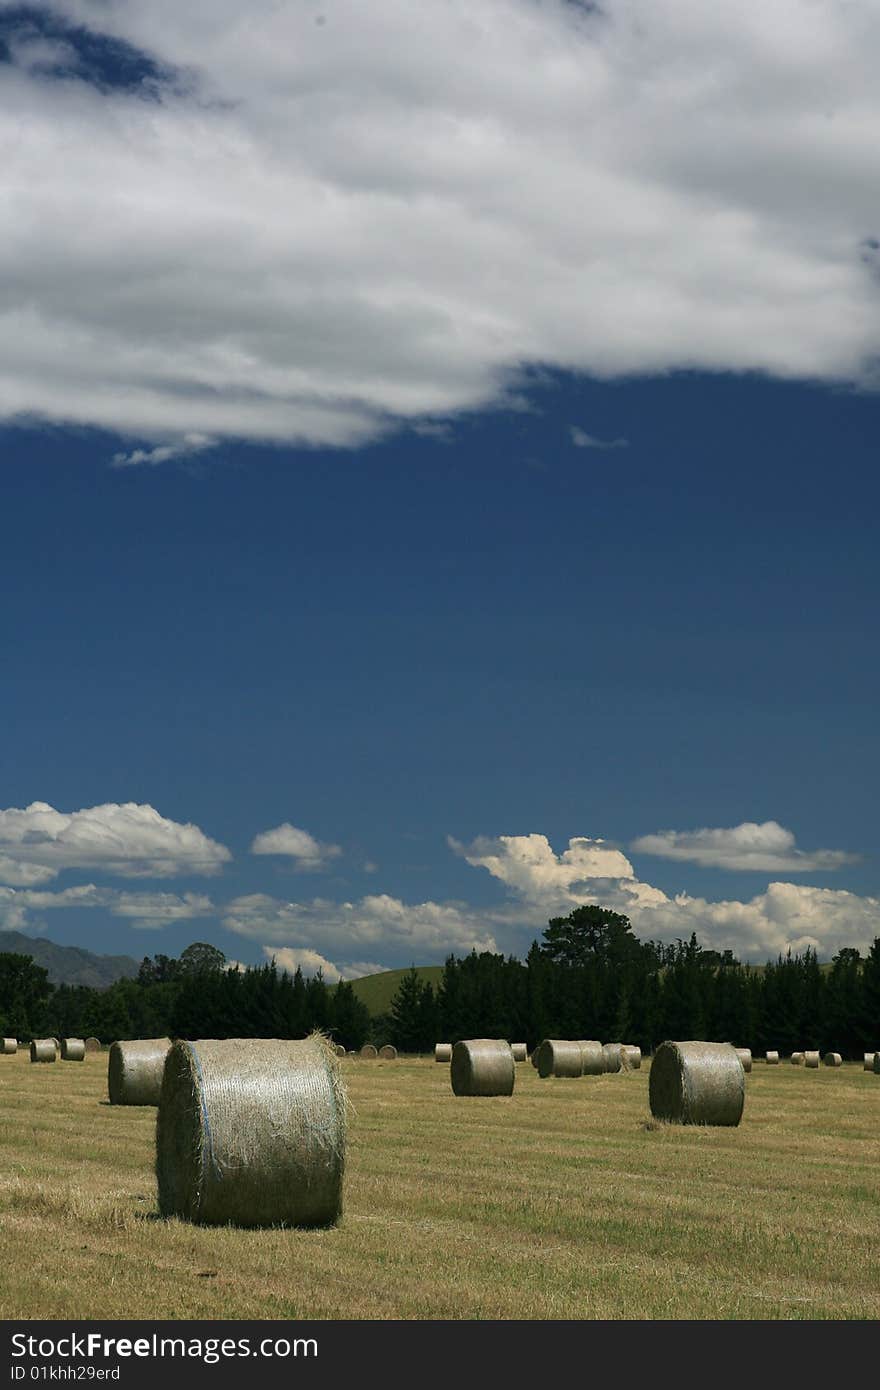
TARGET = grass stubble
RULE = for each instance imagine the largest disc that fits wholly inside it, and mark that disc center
(563, 1201)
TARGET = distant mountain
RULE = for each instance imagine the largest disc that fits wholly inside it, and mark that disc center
(69, 965)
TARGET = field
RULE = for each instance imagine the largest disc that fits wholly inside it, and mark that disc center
(564, 1201)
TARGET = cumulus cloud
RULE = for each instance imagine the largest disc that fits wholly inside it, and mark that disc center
(582, 440)
(534, 872)
(291, 958)
(767, 847)
(378, 920)
(307, 852)
(327, 229)
(37, 843)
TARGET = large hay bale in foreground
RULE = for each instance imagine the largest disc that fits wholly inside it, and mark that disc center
(482, 1067)
(560, 1057)
(443, 1052)
(520, 1052)
(251, 1131)
(73, 1049)
(772, 1059)
(43, 1050)
(614, 1058)
(388, 1053)
(592, 1057)
(369, 1051)
(797, 1059)
(745, 1056)
(811, 1060)
(93, 1044)
(833, 1059)
(10, 1046)
(134, 1070)
(697, 1083)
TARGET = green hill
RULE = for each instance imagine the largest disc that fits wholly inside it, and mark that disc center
(377, 991)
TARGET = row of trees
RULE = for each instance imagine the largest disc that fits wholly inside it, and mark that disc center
(590, 977)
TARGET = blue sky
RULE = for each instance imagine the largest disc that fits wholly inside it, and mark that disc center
(483, 544)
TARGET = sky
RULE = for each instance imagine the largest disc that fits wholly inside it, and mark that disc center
(438, 475)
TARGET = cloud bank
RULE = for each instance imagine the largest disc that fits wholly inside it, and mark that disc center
(289, 231)
(768, 847)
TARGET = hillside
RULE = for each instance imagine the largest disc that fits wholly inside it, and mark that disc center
(69, 965)
(377, 991)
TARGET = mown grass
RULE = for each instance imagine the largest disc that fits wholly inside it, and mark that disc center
(564, 1201)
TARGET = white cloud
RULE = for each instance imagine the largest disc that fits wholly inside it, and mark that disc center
(767, 847)
(130, 840)
(20, 875)
(299, 845)
(535, 873)
(150, 910)
(291, 958)
(181, 448)
(414, 930)
(582, 440)
(327, 228)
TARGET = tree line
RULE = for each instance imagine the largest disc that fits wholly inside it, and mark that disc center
(588, 977)
(591, 977)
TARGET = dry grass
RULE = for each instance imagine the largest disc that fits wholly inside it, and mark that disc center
(563, 1201)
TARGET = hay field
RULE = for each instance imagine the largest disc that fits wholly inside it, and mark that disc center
(563, 1201)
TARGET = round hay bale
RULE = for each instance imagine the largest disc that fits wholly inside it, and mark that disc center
(877, 1063)
(10, 1046)
(745, 1056)
(93, 1044)
(613, 1056)
(339, 1049)
(251, 1131)
(697, 1083)
(73, 1050)
(369, 1051)
(533, 1058)
(134, 1070)
(482, 1067)
(811, 1060)
(520, 1052)
(869, 1060)
(443, 1052)
(388, 1053)
(43, 1050)
(797, 1059)
(772, 1059)
(592, 1058)
(560, 1057)
(632, 1056)
(833, 1059)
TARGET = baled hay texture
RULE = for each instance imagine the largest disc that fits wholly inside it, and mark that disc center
(592, 1058)
(745, 1056)
(797, 1059)
(811, 1059)
(482, 1067)
(43, 1050)
(73, 1050)
(339, 1049)
(533, 1058)
(369, 1051)
(251, 1131)
(93, 1044)
(697, 1083)
(833, 1059)
(632, 1056)
(134, 1071)
(560, 1057)
(388, 1053)
(10, 1045)
(772, 1059)
(520, 1052)
(57, 1042)
(614, 1059)
(869, 1060)
(443, 1052)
